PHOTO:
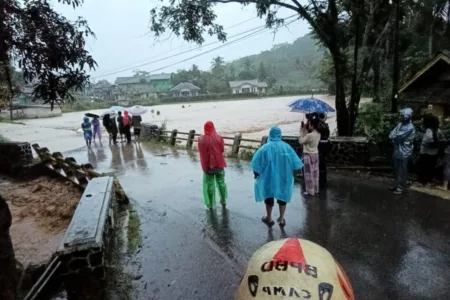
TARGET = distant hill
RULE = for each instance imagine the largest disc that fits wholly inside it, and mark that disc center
(292, 65)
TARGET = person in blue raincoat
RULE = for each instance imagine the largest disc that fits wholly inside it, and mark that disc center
(274, 165)
(403, 139)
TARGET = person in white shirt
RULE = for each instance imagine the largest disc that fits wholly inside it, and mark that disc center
(310, 138)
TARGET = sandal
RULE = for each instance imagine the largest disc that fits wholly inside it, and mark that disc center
(281, 223)
(264, 220)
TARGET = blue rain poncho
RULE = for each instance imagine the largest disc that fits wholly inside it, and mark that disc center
(403, 135)
(275, 163)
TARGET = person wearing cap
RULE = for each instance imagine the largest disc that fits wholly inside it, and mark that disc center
(274, 165)
(402, 137)
(294, 269)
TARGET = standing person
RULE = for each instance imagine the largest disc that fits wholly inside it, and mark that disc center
(97, 129)
(136, 123)
(87, 131)
(111, 127)
(324, 146)
(127, 126)
(121, 127)
(8, 273)
(274, 165)
(429, 148)
(211, 147)
(445, 163)
(402, 136)
(310, 138)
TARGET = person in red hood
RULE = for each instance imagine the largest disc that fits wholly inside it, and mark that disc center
(211, 148)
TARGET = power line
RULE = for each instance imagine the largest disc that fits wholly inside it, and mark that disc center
(258, 30)
(211, 50)
(181, 47)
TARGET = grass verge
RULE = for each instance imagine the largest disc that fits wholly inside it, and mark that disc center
(134, 235)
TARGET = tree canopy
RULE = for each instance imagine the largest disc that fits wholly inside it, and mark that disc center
(361, 37)
(48, 48)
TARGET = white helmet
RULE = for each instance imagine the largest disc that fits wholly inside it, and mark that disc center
(294, 269)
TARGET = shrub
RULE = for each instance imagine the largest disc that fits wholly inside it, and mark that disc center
(374, 122)
(152, 111)
(157, 113)
(182, 106)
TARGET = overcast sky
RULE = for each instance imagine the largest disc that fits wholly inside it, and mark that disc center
(123, 40)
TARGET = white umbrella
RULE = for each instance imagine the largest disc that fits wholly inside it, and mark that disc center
(110, 112)
(137, 110)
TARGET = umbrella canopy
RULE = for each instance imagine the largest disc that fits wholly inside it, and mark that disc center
(137, 110)
(310, 105)
(91, 115)
(116, 109)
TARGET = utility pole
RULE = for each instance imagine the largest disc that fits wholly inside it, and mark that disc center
(396, 59)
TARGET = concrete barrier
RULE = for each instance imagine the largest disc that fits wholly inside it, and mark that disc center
(14, 156)
(88, 241)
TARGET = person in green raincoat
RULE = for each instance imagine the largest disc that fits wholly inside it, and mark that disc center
(211, 147)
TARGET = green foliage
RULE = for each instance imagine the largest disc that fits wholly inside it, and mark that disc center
(47, 47)
(158, 113)
(375, 121)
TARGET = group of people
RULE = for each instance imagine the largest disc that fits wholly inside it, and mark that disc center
(274, 165)
(434, 153)
(92, 130)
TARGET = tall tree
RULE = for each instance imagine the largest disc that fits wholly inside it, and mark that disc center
(48, 48)
(262, 73)
(332, 21)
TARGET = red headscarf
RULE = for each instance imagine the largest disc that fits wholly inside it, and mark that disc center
(126, 118)
(211, 148)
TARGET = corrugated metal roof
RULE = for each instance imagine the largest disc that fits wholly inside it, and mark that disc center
(254, 82)
(185, 86)
(138, 79)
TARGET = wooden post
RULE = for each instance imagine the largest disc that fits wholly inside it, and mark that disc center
(173, 137)
(236, 144)
(190, 140)
(158, 134)
(264, 140)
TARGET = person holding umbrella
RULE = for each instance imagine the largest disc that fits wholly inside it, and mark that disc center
(97, 128)
(87, 131)
(136, 119)
(127, 126)
(111, 127)
(310, 138)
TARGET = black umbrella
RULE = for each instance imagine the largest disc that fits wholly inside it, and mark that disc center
(91, 115)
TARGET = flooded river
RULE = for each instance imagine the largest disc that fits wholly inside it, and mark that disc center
(249, 117)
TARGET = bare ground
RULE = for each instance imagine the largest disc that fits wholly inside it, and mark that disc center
(41, 209)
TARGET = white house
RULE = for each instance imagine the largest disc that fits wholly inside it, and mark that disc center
(248, 86)
(185, 89)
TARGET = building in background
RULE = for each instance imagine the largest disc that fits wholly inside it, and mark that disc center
(144, 86)
(248, 86)
(185, 89)
(429, 89)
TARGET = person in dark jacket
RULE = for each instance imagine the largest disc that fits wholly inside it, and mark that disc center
(7, 256)
(324, 146)
(121, 127)
(111, 127)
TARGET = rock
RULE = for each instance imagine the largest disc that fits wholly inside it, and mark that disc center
(137, 277)
(164, 214)
(37, 188)
(172, 283)
(167, 270)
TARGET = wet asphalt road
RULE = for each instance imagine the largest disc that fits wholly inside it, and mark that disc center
(391, 247)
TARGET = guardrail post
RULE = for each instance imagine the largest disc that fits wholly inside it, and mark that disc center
(236, 144)
(264, 140)
(158, 134)
(173, 137)
(190, 140)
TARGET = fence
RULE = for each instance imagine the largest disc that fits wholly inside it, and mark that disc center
(172, 137)
(343, 151)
